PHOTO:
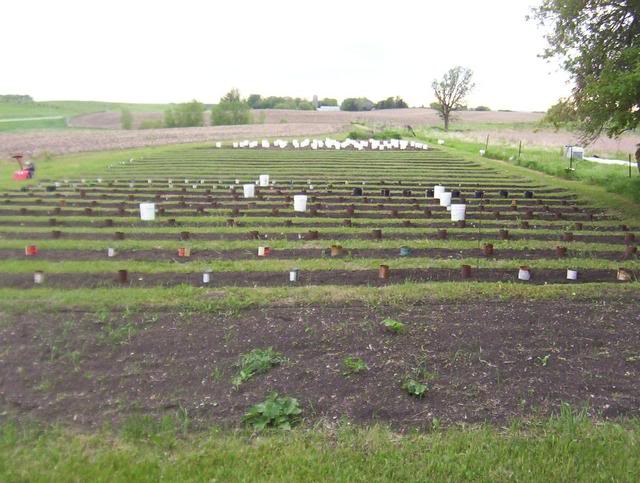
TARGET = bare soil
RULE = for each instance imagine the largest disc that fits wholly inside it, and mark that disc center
(482, 361)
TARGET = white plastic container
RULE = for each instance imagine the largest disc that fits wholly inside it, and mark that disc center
(38, 277)
(300, 203)
(440, 142)
(445, 199)
(524, 274)
(249, 190)
(437, 191)
(111, 252)
(147, 211)
(218, 144)
(458, 212)
(572, 274)
(482, 152)
(264, 180)
(206, 276)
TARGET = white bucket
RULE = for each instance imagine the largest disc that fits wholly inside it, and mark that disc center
(147, 211)
(482, 152)
(206, 277)
(264, 180)
(300, 203)
(249, 190)
(441, 141)
(445, 198)
(437, 191)
(218, 144)
(458, 212)
(38, 277)
(524, 274)
(572, 274)
(111, 252)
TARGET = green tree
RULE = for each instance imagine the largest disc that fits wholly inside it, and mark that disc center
(562, 113)
(126, 119)
(598, 43)
(231, 110)
(188, 114)
(328, 101)
(356, 104)
(450, 91)
(169, 118)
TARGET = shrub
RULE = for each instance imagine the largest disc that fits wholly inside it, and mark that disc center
(275, 412)
(356, 104)
(353, 365)
(231, 110)
(151, 124)
(189, 114)
(126, 119)
(394, 326)
(258, 361)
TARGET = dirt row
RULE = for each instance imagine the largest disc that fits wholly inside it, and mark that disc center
(311, 253)
(485, 361)
(306, 278)
(307, 236)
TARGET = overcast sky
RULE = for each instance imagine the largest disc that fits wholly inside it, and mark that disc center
(172, 51)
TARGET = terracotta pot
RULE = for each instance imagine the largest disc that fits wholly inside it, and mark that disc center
(184, 252)
(312, 235)
(383, 272)
(56, 234)
(466, 271)
(123, 276)
(503, 234)
(336, 250)
(487, 249)
(377, 234)
(442, 234)
(185, 235)
(578, 226)
(118, 235)
(561, 251)
(31, 250)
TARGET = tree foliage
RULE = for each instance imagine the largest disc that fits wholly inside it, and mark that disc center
(328, 101)
(562, 113)
(598, 43)
(356, 104)
(188, 114)
(126, 119)
(231, 110)
(450, 91)
(256, 101)
(392, 103)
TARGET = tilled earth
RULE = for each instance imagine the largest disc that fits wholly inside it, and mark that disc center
(482, 361)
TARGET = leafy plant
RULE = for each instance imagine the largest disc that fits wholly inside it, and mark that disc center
(258, 361)
(394, 326)
(353, 365)
(274, 412)
(414, 388)
(543, 361)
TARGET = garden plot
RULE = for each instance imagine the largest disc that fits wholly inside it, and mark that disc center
(370, 218)
(374, 227)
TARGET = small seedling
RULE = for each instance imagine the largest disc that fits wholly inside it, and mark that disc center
(543, 361)
(394, 326)
(274, 412)
(414, 388)
(353, 365)
(258, 361)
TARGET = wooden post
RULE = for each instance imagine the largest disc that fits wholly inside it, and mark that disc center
(486, 146)
(519, 150)
(629, 165)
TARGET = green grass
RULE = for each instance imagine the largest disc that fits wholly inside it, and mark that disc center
(33, 124)
(70, 108)
(613, 178)
(568, 447)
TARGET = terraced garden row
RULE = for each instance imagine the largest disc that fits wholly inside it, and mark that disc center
(372, 220)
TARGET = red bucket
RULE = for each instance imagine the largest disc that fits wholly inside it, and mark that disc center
(184, 252)
(30, 250)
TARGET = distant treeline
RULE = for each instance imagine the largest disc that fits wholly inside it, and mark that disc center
(364, 104)
(15, 99)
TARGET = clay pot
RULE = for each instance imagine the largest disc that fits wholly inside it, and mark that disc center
(312, 235)
(185, 235)
(503, 234)
(118, 235)
(53, 222)
(567, 236)
(346, 223)
(123, 276)
(487, 249)
(377, 234)
(578, 226)
(561, 251)
(288, 223)
(275, 211)
(108, 222)
(336, 250)
(56, 234)
(383, 272)
(442, 234)
(465, 272)
(88, 211)
(524, 224)
(407, 223)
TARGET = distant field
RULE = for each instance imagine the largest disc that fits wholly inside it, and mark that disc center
(69, 108)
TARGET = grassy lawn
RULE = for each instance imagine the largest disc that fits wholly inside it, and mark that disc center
(70, 108)
(568, 447)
